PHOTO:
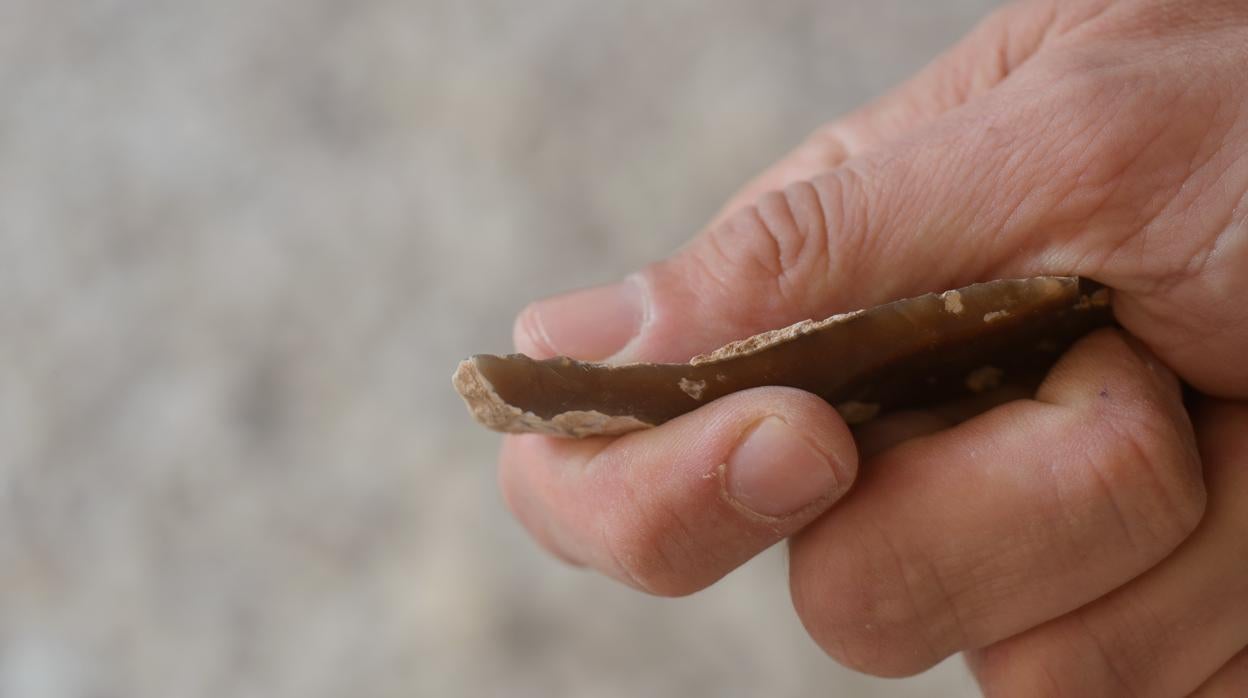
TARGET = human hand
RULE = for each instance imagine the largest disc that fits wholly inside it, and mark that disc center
(1051, 538)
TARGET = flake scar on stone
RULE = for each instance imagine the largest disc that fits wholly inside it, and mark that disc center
(899, 355)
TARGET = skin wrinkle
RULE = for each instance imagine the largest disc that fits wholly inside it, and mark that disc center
(1143, 162)
(1107, 661)
(804, 598)
(714, 270)
(1051, 679)
(1004, 64)
(1007, 231)
(1150, 215)
(1145, 622)
(1076, 215)
(917, 615)
(953, 221)
(1005, 589)
(1136, 609)
(1115, 179)
(1212, 135)
(819, 602)
(1098, 9)
(1179, 521)
(1010, 52)
(1094, 152)
(616, 557)
(1177, 18)
(963, 638)
(843, 193)
(1197, 268)
(536, 518)
(831, 202)
(749, 231)
(986, 136)
(617, 540)
(676, 542)
(1076, 552)
(1110, 494)
(1197, 336)
(813, 225)
(536, 333)
(790, 241)
(556, 533)
(1229, 680)
(1195, 165)
(597, 446)
(772, 258)
(1070, 513)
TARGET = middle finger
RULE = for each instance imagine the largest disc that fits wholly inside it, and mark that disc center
(961, 538)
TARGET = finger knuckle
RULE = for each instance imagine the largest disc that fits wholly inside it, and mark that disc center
(848, 210)
(828, 146)
(1161, 474)
(1013, 668)
(871, 617)
(652, 551)
(533, 515)
(1147, 467)
(1080, 655)
(790, 243)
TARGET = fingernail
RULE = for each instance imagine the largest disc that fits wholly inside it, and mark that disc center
(776, 472)
(590, 324)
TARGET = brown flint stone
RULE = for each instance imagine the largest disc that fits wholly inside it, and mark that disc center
(905, 354)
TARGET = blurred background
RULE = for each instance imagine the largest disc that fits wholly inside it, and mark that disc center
(243, 244)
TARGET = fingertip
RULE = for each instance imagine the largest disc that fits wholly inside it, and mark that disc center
(591, 324)
(1125, 410)
(523, 485)
(671, 509)
(1109, 365)
(527, 335)
(1164, 378)
(790, 442)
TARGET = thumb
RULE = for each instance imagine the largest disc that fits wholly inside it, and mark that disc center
(920, 202)
(884, 225)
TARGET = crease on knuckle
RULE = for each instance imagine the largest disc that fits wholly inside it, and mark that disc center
(829, 145)
(1112, 675)
(874, 616)
(813, 600)
(634, 560)
(1014, 668)
(846, 207)
(1151, 480)
(779, 245)
(743, 252)
(654, 551)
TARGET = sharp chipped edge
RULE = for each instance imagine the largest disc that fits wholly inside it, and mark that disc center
(766, 340)
(488, 408)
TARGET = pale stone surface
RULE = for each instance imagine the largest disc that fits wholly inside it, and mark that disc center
(770, 338)
(242, 243)
(492, 411)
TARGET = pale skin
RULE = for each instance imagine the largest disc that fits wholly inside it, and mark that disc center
(1089, 540)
